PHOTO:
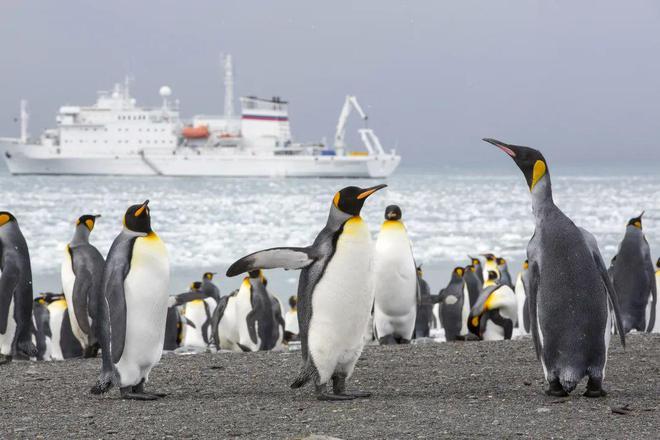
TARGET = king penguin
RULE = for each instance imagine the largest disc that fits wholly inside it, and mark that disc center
(495, 313)
(64, 343)
(291, 321)
(478, 269)
(395, 281)
(503, 269)
(209, 287)
(570, 294)
(82, 270)
(15, 292)
(335, 293)
(633, 277)
(197, 311)
(41, 330)
(521, 299)
(473, 283)
(454, 307)
(424, 319)
(490, 265)
(135, 283)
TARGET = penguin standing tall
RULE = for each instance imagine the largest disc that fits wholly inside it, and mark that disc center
(505, 276)
(335, 293)
(521, 299)
(490, 265)
(82, 270)
(395, 281)
(478, 269)
(494, 315)
(454, 307)
(291, 328)
(15, 292)
(63, 343)
(135, 283)
(41, 331)
(198, 312)
(633, 277)
(473, 283)
(424, 319)
(569, 292)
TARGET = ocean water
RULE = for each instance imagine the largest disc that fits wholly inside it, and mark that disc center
(207, 223)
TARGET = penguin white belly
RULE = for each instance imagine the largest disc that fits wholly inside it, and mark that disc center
(493, 332)
(291, 322)
(196, 313)
(465, 311)
(56, 311)
(341, 303)
(395, 282)
(7, 337)
(68, 281)
(146, 289)
(228, 327)
(520, 300)
(211, 304)
(233, 329)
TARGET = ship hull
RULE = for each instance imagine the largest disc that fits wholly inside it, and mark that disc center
(237, 165)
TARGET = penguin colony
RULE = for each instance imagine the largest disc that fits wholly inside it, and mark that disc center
(351, 290)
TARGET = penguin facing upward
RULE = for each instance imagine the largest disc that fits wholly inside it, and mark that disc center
(291, 329)
(335, 293)
(521, 299)
(82, 270)
(209, 288)
(478, 269)
(15, 292)
(495, 312)
(473, 283)
(454, 307)
(395, 281)
(503, 269)
(135, 283)
(633, 277)
(569, 292)
(424, 319)
(490, 265)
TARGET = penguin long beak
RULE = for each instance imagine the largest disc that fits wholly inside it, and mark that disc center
(502, 146)
(369, 191)
(96, 215)
(142, 208)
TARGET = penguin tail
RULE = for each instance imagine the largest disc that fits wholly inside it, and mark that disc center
(569, 381)
(305, 375)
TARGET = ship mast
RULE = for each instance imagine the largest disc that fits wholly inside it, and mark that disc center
(25, 117)
(229, 88)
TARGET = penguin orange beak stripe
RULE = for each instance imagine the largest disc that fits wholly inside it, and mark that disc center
(141, 208)
(369, 191)
(502, 146)
(4, 218)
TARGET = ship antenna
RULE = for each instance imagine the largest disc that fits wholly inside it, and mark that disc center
(229, 88)
(25, 117)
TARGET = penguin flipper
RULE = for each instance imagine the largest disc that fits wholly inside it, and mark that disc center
(654, 289)
(8, 282)
(81, 291)
(185, 297)
(531, 288)
(116, 298)
(281, 257)
(251, 320)
(189, 322)
(207, 323)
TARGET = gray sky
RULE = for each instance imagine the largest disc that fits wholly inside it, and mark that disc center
(575, 79)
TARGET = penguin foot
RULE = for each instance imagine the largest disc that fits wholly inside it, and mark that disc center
(327, 397)
(595, 387)
(4, 359)
(26, 349)
(103, 383)
(129, 395)
(357, 394)
(555, 389)
(595, 393)
(91, 352)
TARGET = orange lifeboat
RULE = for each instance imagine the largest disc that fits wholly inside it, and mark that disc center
(200, 132)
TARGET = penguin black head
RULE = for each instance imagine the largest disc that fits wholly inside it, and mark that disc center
(393, 212)
(351, 199)
(88, 221)
(492, 275)
(209, 275)
(138, 218)
(525, 265)
(470, 268)
(636, 221)
(530, 161)
(475, 261)
(501, 261)
(257, 274)
(420, 272)
(657, 263)
(6, 217)
(489, 257)
(196, 286)
(293, 301)
(458, 272)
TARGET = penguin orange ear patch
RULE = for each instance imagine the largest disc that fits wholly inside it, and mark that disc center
(4, 218)
(90, 224)
(335, 200)
(537, 173)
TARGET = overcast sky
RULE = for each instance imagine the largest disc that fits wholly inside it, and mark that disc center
(579, 80)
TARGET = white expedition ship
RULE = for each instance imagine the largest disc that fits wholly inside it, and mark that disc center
(117, 137)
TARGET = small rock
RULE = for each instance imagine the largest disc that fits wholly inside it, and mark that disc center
(542, 410)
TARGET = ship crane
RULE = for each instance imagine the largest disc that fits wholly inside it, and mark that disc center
(371, 141)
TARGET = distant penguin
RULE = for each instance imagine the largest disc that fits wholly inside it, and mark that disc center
(424, 318)
(291, 328)
(198, 312)
(490, 266)
(209, 288)
(176, 326)
(246, 321)
(569, 292)
(478, 269)
(633, 276)
(395, 281)
(277, 315)
(495, 313)
(64, 344)
(503, 269)
(454, 307)
(335, 293)
(82, 271)
(15, 292)
(473, 283)
(521, 299)
(136, 281)
(41, 331)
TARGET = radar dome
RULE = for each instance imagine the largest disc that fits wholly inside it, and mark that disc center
(165, 91)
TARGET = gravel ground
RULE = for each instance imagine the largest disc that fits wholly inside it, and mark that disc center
(426, 390)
